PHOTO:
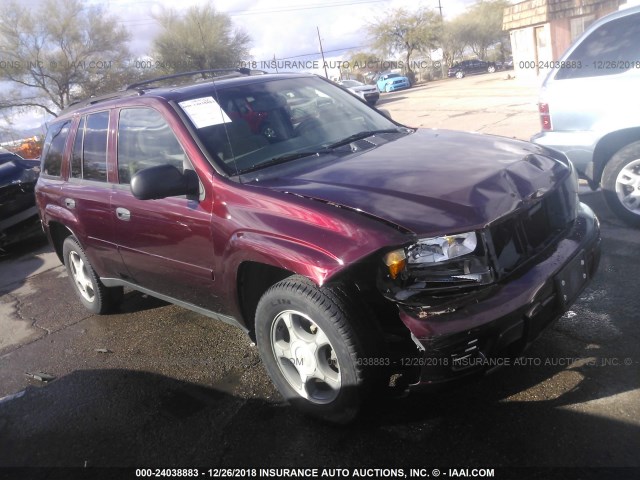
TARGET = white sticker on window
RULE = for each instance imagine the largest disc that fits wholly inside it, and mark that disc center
(204, 112)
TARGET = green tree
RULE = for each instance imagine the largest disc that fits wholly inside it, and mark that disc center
(361, 64)
(405, 33)
(61, 50)
(199, 39)
(453, 41)
(482, 27)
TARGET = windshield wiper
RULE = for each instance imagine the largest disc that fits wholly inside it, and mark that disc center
(283, 159)
(365, 134)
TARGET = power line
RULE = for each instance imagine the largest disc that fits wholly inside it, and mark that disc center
(326, 51)
(241, 13)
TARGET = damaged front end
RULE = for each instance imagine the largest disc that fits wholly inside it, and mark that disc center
(485, 294)
(436, 275)
(18, 212)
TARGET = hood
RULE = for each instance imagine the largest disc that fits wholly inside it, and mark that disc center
(363, 88)
(431, 181)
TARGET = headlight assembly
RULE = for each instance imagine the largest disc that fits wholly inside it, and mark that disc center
(441, 249)
(439, 263)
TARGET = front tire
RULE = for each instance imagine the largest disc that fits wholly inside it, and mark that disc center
(93, 294)
(459, 75)
(313, 349)
(621, 184)
(491, 69)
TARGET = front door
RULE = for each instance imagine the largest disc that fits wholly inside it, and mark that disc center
(166, 244)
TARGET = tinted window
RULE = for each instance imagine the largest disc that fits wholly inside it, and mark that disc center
(94, 152)
(145, 140)
(54, 148)
(611, 49)
(76, 154)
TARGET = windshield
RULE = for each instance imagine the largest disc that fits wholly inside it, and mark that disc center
(250, 126)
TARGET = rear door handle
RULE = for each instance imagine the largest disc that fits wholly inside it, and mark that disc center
(123, 214)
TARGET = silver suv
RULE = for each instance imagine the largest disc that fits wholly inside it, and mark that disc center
(590, 110)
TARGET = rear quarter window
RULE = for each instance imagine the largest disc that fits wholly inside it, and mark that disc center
(611, 49)
(53, 148)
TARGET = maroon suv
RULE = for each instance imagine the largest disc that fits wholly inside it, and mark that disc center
(359, 254)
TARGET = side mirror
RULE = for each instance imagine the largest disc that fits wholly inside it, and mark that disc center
(385, 112)
(163, 181)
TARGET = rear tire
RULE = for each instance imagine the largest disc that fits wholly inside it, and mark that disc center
(491, 69)
(621, 184)
(314, 350)
(93, 294)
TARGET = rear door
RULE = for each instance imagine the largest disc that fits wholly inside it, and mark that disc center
(166, 244)
(86, 195)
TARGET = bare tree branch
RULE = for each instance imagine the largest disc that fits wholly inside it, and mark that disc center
(57, 51)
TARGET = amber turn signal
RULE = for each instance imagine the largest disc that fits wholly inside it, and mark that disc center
(395, 262)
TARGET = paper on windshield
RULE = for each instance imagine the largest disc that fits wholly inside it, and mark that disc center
(204, 112)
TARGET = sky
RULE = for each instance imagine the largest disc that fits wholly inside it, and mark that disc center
(286, 30)
(283, 28)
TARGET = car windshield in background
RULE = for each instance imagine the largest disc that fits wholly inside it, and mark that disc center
(264, 123)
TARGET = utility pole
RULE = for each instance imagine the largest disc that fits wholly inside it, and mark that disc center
(322, 53)
(442, 24)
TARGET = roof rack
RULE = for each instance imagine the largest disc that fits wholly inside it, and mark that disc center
(85, 102)
(135, 88)
(243, 71)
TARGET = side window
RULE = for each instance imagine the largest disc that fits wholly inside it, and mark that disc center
(94, 148)
(609, 50)
(54, 148)
(145, 139)
(76, 154)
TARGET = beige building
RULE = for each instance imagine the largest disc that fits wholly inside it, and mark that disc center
(541, 30)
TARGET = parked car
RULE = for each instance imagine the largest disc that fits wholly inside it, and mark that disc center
(471, 67)
(590, 110)
(368, 93)
(506, 65)
(18, 212)
(360, 255)
(390, 82)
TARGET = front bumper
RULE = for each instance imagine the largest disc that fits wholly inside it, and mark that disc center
(372, 97)
(397, 86)
(478, 336)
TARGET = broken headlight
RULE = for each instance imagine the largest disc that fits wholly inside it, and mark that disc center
(437, 263)
(441, 249)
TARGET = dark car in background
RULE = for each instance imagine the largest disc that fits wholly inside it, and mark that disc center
(471, 67)
(18, 211)
(362, 257)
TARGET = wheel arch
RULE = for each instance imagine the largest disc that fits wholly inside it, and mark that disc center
(608, 145)
(58, 233)
(252, 281)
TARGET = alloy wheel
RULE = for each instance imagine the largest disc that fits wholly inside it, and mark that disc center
(305, 356)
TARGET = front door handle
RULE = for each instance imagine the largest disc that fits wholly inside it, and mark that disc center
(123, 214)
